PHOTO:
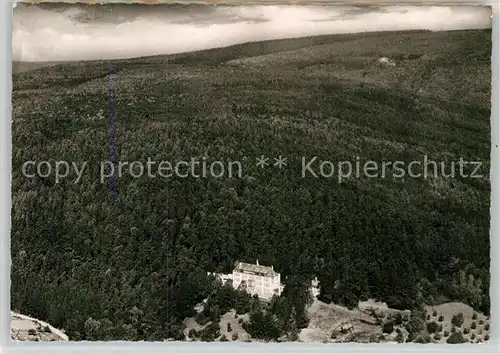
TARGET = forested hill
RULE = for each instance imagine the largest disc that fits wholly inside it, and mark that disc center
(134, 267)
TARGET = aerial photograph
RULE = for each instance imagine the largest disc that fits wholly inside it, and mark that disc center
(250, 173)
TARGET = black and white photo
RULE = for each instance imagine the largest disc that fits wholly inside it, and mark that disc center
(251, 173)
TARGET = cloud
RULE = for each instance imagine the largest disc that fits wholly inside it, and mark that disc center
(121, 31)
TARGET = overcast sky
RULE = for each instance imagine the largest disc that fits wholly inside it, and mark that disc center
(53, 32)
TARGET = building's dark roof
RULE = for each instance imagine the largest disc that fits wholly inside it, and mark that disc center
(255, 268)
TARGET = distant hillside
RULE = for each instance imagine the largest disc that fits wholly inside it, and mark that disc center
(20, 66)
(244, 50)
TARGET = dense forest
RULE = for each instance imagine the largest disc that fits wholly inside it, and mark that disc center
(132, 268)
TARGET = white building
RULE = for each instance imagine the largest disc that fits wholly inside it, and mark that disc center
(386, 61)
(256, 279)
(315, 289)
(259, 280)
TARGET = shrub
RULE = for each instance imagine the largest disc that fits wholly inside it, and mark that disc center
(473, 325)
(193, 333)
(240, 321)
(210, 332)
(446, 334)
(473, 336)
(423, 339)
(428, 317)
(456, 338)
(466, 331)
(432, 327)
(388, 327)
(46, 329)
(441, 318)
(487, 327)
(474, 316)
(223, 338)
(398, 319)
(201, 319)
(487, 337)
(235, 336)
(458, 320)
(400, 338)
(293, 336)
(414, 326)
(434, 313)
(31, 332)
(481, 322)
(215, 314)
(453, 329)
(229, 328)
(437, 336)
